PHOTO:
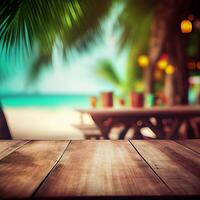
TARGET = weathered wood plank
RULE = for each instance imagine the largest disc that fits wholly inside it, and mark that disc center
(191, 144)
(22, 171)
(8, 146)
(178, 166)
(101, 168)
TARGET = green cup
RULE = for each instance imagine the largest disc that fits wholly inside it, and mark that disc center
(149, 100)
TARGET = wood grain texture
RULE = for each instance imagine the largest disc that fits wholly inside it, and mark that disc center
(191, 144)
(8, 146)
(101, 168)
(177, 165)
(22, 171)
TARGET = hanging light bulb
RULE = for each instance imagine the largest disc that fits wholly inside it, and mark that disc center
(143, 61)
(162, 64)
(186, 26)
(163, 61)
(170, 69)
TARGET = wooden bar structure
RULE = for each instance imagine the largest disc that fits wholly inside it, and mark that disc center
(170, 118)
(100, 169)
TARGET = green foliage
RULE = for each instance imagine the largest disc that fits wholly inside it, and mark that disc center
(75, 23)
(107, 71)
(135, 21)
(28, 21)
(139, 45)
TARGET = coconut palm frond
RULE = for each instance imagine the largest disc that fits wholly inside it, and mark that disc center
(38, 19)
(27, 21)
(82, 31)
(107, 71)
(88, 27)
(33, 19)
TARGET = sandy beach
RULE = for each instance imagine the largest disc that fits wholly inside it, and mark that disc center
(54, 123)
(44, 123)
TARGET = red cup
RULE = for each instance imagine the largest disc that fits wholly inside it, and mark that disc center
(136, 99)
(107, 99)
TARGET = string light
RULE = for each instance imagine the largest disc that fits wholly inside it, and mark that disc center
(162, 64)
(143, 61)
(170, 69)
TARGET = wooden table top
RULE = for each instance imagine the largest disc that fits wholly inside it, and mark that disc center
(99, 168)
(170, 110)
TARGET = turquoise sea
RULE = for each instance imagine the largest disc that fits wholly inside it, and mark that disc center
(72, 101)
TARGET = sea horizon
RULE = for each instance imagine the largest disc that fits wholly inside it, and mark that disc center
(45, 100)
(43, 94)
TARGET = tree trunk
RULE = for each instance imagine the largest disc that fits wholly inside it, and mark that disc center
(164, 13)
(166, 36)
(182, 71)
(4, 130)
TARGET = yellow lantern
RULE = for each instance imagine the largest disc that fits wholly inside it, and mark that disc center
(170, 69)
(186, 26)
(143, 61)
(162, 64)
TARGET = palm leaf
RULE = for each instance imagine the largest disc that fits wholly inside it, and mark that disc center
(107, 71)
(139, 46)
(26, 21)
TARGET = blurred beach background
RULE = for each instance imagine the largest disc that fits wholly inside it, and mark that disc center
(45, 117)
(98, 47)
(44, 108)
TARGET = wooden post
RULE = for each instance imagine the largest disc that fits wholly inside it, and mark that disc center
(4, 130)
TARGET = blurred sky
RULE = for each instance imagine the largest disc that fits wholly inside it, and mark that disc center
(77, 75)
